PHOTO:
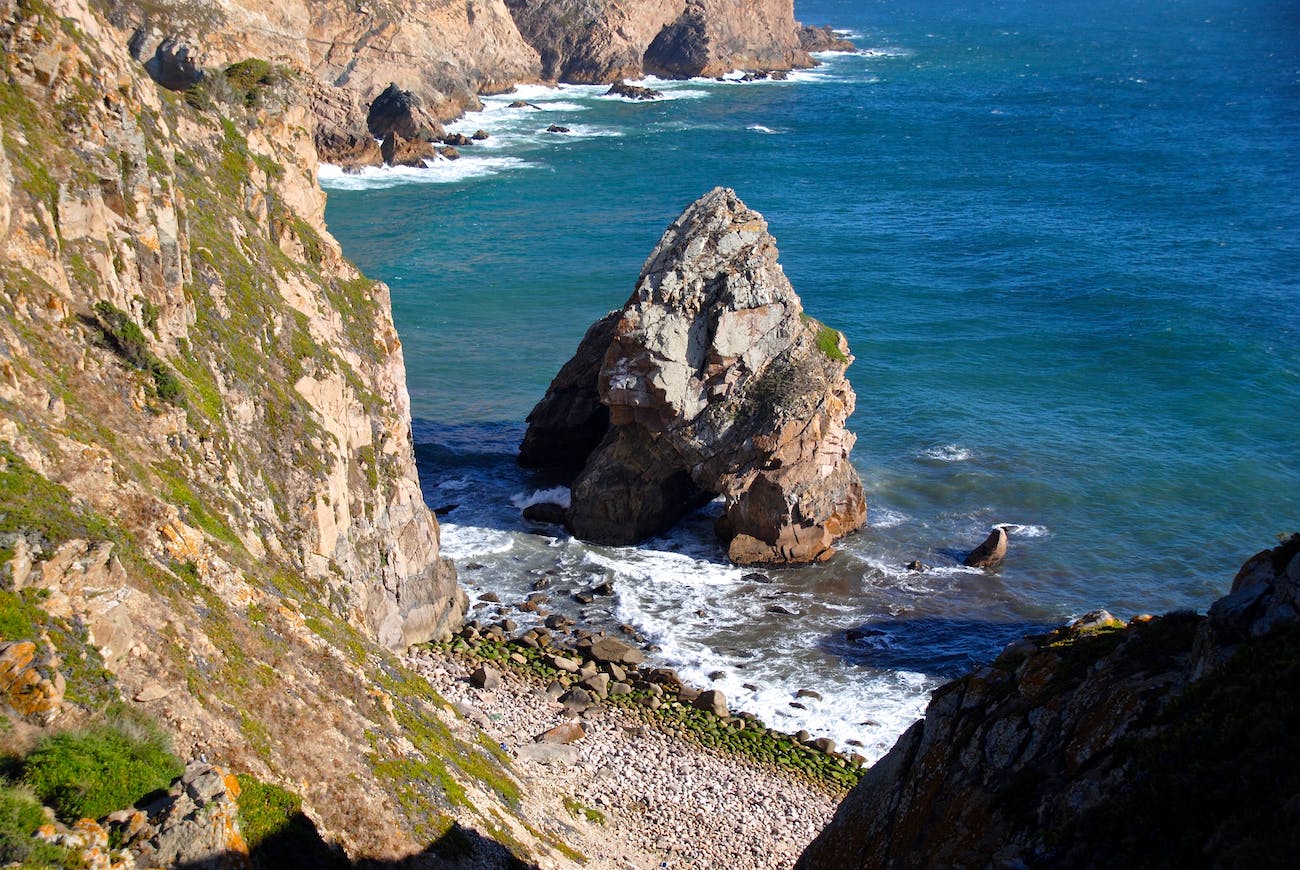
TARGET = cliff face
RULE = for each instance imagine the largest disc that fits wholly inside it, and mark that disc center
(176, 307)
(1169, 742)
(445, 51)
(208, 502)
(609, 40)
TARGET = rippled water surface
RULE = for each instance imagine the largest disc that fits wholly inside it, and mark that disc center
(1061, 239)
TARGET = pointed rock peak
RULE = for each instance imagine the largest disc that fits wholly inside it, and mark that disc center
(712, 306)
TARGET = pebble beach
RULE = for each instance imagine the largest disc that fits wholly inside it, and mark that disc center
(638, 797)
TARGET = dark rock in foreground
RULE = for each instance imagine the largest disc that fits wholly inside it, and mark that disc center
(1170, 742)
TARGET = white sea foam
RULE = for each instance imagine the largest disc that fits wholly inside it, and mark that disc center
(440, 171)
(1025, 531)
(467, 543)
(885, 51)
(555, 495)
(884, 518)
(759, 128)
(947, 453)
(580, 131)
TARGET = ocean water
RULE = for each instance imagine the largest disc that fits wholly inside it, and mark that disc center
(1062, 241)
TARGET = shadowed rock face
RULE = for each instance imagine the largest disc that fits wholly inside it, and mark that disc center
(715, 383)
(1167, 742)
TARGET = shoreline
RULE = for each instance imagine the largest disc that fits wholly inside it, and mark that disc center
(634, 794)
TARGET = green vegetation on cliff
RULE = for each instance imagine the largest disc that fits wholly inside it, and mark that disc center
(90, 773)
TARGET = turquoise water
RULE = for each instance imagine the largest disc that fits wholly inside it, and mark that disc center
(1062, 242)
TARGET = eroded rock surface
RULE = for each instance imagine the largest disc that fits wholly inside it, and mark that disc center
(714, 37)
(715, 383)
(604, 41)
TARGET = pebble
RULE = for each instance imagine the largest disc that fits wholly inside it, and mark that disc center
(668, 803)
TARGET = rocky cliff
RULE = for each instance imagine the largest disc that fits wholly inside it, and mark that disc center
(209, 509)
(609, 40)
(713, 382)
(1172, 741)
(209, 361)
(447, 52)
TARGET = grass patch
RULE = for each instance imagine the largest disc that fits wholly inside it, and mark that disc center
(88, 774)
(828, 339)
(20, 815)
(31, 503)
(265, 810)
(581, 811)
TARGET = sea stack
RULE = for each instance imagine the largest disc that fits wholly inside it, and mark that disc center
(709, 381)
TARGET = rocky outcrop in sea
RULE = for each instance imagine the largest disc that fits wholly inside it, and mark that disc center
(1170, 741)
(711, 380)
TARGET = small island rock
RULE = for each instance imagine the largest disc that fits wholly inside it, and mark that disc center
(990, 553)
(711, 381)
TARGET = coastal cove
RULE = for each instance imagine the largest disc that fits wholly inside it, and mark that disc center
(1055, 242)
(280, 585)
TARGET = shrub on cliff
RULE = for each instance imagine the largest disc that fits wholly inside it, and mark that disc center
(88, 774)
(20, 816)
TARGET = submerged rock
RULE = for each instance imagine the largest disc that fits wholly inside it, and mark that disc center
(632, 92)
(712, 381)
(545, 512)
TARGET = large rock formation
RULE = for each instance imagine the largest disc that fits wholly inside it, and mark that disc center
(592, 41)
(713, 37)
(443, 54)
(447, 52)
(609, 40)
(1170, 742)
(715, 383)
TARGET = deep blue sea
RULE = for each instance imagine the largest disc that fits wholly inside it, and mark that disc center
(1063, 240)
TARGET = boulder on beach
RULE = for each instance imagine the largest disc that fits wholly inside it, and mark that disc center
(713, 701)
(564, 733)
(608, 649)
(990, 553)
(484, 677)
(711, 381)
